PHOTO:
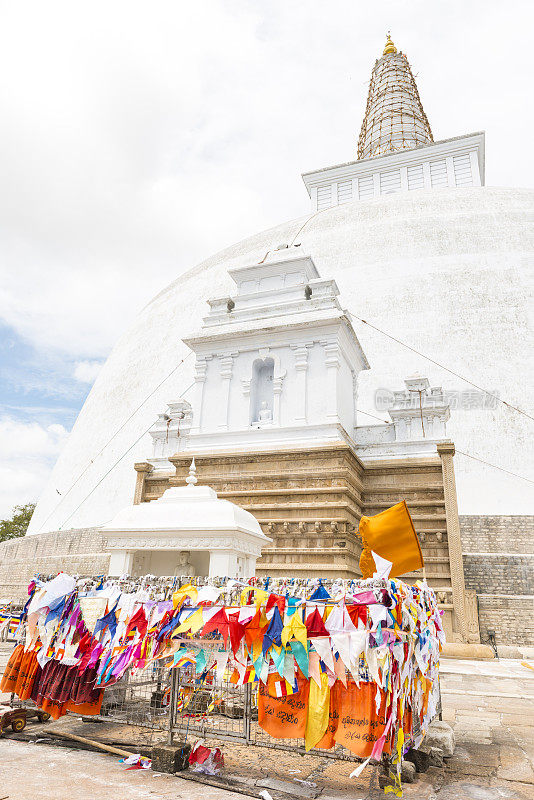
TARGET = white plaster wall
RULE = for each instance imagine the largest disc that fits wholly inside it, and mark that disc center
(447, 270)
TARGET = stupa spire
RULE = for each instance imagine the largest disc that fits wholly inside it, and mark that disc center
(390, 47)
(394, 117)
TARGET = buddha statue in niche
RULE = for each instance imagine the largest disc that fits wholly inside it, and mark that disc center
(265, 413)
(183, 568)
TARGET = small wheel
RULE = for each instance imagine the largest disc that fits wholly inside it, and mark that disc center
(43, 716)
(18, 725)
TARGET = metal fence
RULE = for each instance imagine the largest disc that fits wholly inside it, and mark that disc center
(205, 707)
(141, 698)
(180, 705)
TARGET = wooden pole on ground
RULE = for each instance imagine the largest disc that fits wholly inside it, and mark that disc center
(116, 751)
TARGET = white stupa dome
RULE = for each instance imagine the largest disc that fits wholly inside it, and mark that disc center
(449, 271)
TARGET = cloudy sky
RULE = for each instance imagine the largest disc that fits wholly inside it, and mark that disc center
(139, 137)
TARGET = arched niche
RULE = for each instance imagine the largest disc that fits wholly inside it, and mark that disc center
(262, 391)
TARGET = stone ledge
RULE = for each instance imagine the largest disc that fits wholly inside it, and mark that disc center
(463, 650)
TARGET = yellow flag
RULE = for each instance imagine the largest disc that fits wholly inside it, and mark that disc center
(245, 593)
(392, 535)
(318, 712)
(295, 629)
(260, 596)
(185, 591)
(193, 623)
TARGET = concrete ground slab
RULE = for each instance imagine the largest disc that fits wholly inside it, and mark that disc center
(28, 771)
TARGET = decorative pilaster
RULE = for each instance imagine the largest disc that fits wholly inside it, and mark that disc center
(143, 469)
(159, 434)
(355, 398)
(201, 368)
(301, 368)
(181, 415)
(475, 171)
(121, 563)
(278, 380)
(446, 451)
(245, 387)
(333, 363)
(225, 370)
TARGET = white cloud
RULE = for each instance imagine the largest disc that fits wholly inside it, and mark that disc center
(20, 439)
(86, 371)
(28, 453)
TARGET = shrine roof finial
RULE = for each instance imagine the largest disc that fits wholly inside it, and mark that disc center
(192, 479)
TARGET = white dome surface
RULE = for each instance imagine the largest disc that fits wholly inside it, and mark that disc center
(448, 271)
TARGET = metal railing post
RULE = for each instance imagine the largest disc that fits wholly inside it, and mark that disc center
(247, 716)
(175, 683)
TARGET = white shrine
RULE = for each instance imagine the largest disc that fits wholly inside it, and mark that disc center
(188, 531)
(277, 365)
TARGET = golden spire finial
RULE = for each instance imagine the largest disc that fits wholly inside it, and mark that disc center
(390, 47)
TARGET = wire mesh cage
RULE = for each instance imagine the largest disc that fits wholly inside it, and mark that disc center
(140, 698)
(209, 706)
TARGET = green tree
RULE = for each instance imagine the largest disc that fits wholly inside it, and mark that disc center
(18, 524)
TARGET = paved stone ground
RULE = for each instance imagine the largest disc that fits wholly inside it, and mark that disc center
(490, 705)
(30, 771)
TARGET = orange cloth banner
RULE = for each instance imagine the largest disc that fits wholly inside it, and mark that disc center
(283, 717)
(20, 672)
(358, 725)
(352, 720)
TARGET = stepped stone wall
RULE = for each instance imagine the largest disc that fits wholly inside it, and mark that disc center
(498, 554)
(310, 503)
(510, 616)
(79, 551)
(501, 534)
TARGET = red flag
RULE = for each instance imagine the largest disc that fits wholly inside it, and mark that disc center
(219, 622)
(237, 631)
(138, 621)
(315, 625)
(276, 600)
(357, 612)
